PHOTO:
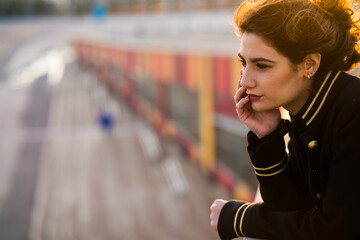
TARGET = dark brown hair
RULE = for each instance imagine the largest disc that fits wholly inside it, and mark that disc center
(297, 28)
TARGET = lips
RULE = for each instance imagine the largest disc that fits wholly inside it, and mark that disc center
(253, 97)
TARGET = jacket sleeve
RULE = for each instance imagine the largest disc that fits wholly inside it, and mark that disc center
(279, 182)
(336, 218)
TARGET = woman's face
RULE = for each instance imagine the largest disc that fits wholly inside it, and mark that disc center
(269, 77)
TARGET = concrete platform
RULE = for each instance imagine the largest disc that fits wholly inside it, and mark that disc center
(64, 177)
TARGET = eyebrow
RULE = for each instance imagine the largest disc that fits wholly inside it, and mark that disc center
(259, 59)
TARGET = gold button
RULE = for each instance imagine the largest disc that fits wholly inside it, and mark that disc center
(318, 196)
(313, 144)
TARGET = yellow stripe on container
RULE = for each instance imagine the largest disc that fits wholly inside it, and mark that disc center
(206, 113)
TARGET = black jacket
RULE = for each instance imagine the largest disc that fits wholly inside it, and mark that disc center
(313, 192)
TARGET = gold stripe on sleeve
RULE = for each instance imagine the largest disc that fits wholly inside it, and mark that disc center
(236, 215)
(272, 174)
(273, 166)
(242, 217)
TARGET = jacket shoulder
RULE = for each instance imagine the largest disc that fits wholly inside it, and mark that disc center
(348, 94)
(345, 104)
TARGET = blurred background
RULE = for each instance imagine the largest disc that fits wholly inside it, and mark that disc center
(60, 7)
(117, 119)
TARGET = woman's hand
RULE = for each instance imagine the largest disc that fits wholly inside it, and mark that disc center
(260, 123)
(215, 210)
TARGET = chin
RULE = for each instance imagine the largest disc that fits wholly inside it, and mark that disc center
(261, 107)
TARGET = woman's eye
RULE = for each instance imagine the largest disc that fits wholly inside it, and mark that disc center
(262, 66)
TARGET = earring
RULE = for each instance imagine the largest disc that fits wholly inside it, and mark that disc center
(310, 75)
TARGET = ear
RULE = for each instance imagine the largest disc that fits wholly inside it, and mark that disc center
(311, 64)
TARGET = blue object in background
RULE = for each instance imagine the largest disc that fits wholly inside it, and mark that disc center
(106, 121)
(99, 11)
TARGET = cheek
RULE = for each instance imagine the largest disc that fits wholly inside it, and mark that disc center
(285, 79)
(281, 85)
(274, 83)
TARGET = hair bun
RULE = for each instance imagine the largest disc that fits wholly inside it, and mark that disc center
(341, 14)
(338, 10)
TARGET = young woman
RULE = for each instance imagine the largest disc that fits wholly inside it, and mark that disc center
(295, 54)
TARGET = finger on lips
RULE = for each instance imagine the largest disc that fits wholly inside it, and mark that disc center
(241, 103)
(240, 93)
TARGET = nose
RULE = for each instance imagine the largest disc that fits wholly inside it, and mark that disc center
(247, 79)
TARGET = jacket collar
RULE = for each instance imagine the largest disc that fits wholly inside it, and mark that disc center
(317, 99)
